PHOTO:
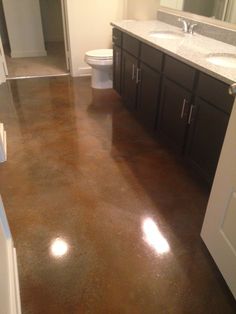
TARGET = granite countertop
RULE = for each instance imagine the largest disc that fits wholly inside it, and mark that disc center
(191, 49)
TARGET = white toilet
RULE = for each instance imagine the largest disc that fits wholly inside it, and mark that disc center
(101, 61)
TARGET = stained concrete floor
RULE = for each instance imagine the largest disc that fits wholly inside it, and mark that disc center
(104, 219)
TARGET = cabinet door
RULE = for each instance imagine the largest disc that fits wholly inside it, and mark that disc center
(148, 94)
(173, 120)
(117, 69)
(206, 136)
(129, 85)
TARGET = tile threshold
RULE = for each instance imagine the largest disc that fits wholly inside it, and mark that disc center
(36, 76)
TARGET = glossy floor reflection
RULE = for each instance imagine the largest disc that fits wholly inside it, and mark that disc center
(105, 220)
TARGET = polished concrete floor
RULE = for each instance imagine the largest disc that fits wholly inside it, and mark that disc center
(104, 219)
(52, 64)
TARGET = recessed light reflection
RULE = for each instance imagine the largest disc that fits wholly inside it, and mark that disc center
(59, 247)
(154, 237)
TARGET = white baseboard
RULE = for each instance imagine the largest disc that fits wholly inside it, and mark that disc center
(26, 54)
(86, 71)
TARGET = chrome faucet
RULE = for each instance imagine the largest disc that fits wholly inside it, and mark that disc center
(186, 24)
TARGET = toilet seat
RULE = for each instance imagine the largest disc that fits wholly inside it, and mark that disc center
(100, 54)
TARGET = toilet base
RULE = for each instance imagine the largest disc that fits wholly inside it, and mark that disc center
(102, 79)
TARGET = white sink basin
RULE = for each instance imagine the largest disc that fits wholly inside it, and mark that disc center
(226, 60)
(166, 34)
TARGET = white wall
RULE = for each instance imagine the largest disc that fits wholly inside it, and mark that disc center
(52, 20)
(142, 9)
(89, 28)
(23, 19)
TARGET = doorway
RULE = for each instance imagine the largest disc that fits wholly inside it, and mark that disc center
(52, 58)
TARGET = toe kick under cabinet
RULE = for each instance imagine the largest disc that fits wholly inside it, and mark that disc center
(187, 109)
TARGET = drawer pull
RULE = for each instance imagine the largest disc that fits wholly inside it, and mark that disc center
(133, 72)
(117, 58)
(183, 108)
(190, 114)
(114, 38)
(138, 77)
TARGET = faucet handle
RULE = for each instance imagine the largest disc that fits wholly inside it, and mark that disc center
(191, 28)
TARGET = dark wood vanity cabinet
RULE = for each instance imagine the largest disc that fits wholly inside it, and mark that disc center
(130, 53)
(117, 57)
(129, 85)
(149, 85)
(141, 66)
(206, 136)
(176, 96)
(117, 69)
(209, 119)
(188, 109)
(148, 95)
(173, 118)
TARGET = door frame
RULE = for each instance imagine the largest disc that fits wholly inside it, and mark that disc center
(64, 9)
(3, 65)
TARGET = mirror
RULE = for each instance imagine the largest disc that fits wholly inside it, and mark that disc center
(224, 10)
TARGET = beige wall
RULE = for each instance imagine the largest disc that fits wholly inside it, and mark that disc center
(142, 9)
(89, 28)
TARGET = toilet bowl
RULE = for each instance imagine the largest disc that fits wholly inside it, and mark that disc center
(101, 61)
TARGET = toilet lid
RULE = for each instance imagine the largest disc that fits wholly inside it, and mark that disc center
(100, 53)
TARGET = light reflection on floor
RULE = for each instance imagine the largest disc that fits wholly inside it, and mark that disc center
(154, 237)
(59, 247)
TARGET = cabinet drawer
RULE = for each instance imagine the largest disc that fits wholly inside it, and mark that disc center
(116, 37)
(179, 72)
(215, 92)
(131, 45)
(151, 57)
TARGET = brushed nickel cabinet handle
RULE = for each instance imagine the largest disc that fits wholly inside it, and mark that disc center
(117, 57)
(183, 108)
(133, 72)
(190, 114)
(138, 77)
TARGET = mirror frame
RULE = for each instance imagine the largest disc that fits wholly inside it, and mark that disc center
(199, 18)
